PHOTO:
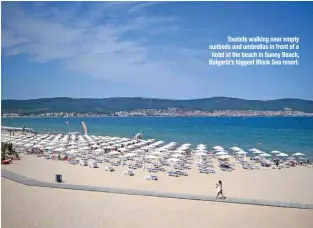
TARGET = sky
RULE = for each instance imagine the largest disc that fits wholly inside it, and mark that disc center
(147, 49)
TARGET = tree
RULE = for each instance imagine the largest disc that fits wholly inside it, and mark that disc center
(3, 151)
(8, 151)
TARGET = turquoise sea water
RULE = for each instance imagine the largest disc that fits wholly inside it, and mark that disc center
(287, 134)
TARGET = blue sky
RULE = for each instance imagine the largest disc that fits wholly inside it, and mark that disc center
(147, 49)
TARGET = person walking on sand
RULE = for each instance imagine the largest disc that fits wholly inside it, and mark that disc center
(219, 189)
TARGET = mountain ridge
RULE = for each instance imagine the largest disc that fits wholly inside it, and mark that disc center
(191, 99)
(114, 104)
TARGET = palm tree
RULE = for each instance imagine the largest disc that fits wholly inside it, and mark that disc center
(4, 151)
(7, 150)
(12, 151)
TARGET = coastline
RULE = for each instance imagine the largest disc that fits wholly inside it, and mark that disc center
(289, 135)
(287, 116)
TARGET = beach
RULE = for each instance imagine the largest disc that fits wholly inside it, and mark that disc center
(24, 206)
(30, 206)
(286, 134)
(291, 185)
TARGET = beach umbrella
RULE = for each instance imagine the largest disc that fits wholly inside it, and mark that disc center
(275, 152)
(298, 154)
(162, 149)
(265, 155)
(201, 145)
(201, 151)
(282, 155)
(99, 150)
(218, 148)
(72, 147)
(241, 152)
(187, 144)
(60, 149)
(151, 157)
(173, 160)
(177, 155)
(110, 147)
(224, 156)
(72, 151)
(130, 155)
(234, 148)
(82, 144)
(85, 148)
(48, 148)
(28, 145)
(258, 152)
(221, 153)
(123, 149)
(179, 151)
(113, 153)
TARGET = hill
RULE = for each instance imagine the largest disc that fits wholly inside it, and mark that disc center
(109, 105)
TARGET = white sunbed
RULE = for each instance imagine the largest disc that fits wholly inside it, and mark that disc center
(83, 162)
(93, 164)
(128, 173)
(110, 169)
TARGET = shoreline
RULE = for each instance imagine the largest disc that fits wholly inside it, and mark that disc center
(16, 117)
(308, 153)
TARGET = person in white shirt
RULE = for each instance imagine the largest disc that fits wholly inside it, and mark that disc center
(219, 189)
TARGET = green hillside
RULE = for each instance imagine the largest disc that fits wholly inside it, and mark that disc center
(109, 105)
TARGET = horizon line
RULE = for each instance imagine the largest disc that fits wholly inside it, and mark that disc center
(154, 98)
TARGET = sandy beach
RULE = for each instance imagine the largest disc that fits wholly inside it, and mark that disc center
(24, 206)
(292, 185)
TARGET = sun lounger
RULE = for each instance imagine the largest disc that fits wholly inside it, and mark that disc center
(128, 173)
(93, 164)
(109, 168)
(83, 162)
(172, 174)
(150, 177)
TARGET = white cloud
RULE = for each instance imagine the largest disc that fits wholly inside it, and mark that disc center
(142, 5)
(93, 42)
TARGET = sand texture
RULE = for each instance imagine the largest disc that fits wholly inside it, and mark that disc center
(32, 207)
(292, 185)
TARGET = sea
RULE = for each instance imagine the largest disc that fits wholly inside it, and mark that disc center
(286, 134)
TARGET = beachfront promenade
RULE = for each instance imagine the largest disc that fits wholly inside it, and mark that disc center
(32, 182)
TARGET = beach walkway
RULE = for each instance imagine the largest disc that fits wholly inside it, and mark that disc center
(32, 182)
